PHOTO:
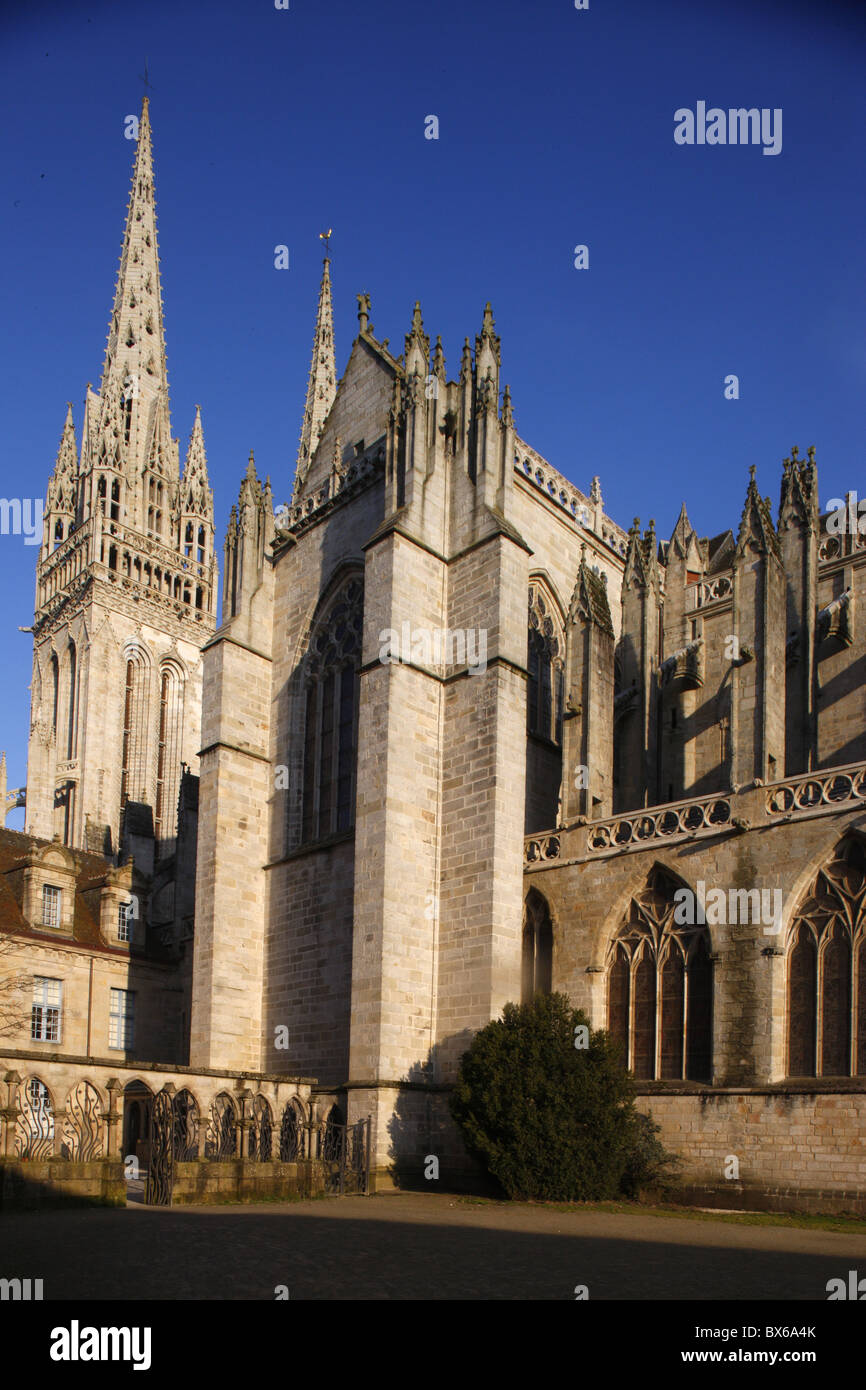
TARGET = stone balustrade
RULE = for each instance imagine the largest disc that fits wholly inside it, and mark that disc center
(832, 789)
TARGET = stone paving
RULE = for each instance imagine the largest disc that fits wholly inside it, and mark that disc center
(417, 1247)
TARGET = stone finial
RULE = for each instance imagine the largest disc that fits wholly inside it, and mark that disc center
(466, 362)
(363, 312)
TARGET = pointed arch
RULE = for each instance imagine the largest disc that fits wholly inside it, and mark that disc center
(169, 749)
(545, 662)
(330, 683)
(537, 958)
(134, 745)
(826, 967)
(660, 986)
(71, 721)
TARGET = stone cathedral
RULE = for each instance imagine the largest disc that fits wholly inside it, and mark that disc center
(456, 736)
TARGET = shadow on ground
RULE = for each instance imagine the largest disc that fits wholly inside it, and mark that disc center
(412, 1247)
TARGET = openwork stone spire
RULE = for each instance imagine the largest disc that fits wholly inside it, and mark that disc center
(62, 485)
(322, 385)
(129, 428)
(196, 490)
(136, 340)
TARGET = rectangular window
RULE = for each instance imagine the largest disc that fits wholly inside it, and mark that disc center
(50, 906)
(121, 1019)
(47, 1006)
(124, 921)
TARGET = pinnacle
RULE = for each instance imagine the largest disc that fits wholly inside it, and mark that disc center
(321, 386)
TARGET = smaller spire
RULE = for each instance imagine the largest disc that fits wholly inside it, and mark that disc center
(507, 412)
(61, 491)
(488, 337)
(322, 383)
(438, 358)
(195, 488)
(466, 362)
(416, 337)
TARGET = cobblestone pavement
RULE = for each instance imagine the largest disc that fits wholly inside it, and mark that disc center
(413, 1246)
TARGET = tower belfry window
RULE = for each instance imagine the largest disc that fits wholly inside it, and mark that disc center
(168, 753)
(133, 775)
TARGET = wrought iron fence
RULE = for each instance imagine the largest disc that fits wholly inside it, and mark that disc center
(344, 1151)
(221, 1137)
(82, 1134)
(34, 1132)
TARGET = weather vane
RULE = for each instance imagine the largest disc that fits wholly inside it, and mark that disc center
(326, 237)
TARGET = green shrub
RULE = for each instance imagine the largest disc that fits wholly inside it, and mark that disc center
(548, 1119)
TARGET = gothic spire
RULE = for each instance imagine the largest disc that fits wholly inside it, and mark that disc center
(589, 600)
(61, 486)
(322, 387)
(196, 491)
(61, 494)
(136, 340)
(757, 531)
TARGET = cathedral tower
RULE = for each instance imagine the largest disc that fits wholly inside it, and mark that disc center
(125, 583)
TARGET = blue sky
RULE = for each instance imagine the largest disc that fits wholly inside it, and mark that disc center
(555, 129)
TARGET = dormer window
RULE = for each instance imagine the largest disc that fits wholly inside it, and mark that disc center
(124, 921)
(51, 899)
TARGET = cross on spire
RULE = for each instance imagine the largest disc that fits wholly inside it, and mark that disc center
(145, 79)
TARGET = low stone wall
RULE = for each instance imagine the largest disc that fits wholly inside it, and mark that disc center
(233, 1180)
(766, 1148)
(59, 1183)
(101, 1182)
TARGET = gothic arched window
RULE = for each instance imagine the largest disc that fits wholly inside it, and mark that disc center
(331, 715)
(55, 691)
(168, 752)
(537, 972)
(827, 970)
(72, 701)
(660, 987)
(133, 764)
(545, 657)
